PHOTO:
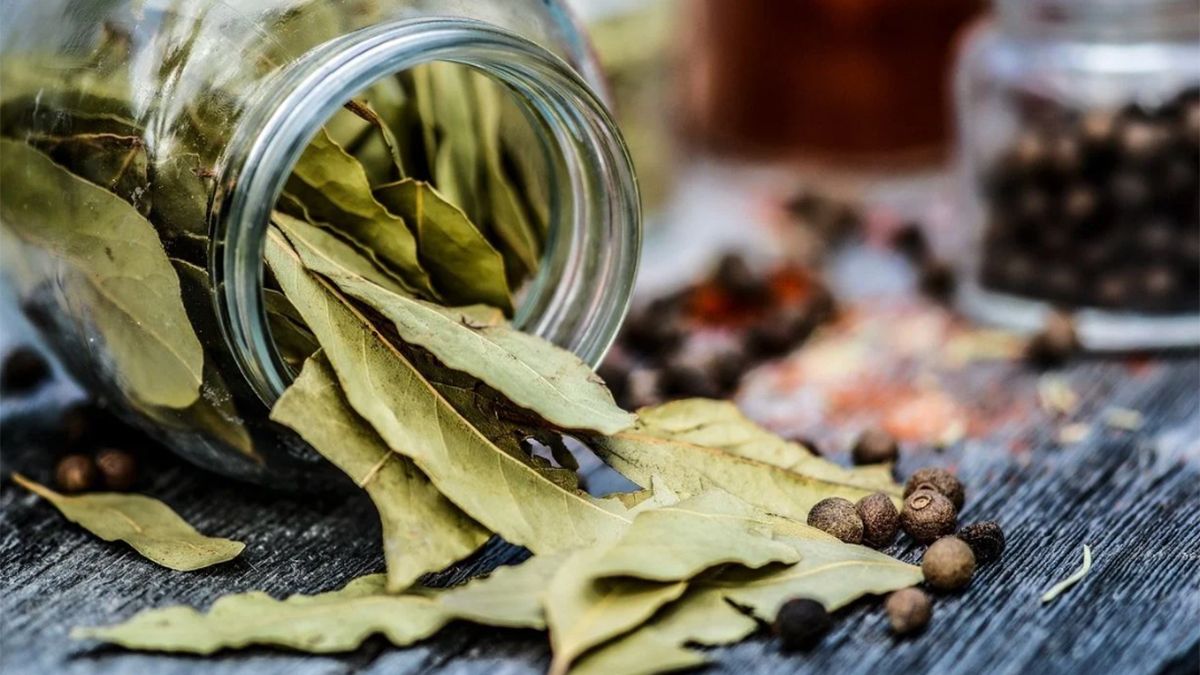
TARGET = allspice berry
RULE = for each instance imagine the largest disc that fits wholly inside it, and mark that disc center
(118, 468)
(874, 446)
(880, 519)
(800, 623)
(838, 517)
(23, 371)
(986, 540)
(948, 564)
(927, 515)
(908, 610)
(939, 480)
(75, 473)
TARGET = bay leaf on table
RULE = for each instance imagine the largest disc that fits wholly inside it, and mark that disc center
(720, 424)
(583, 611)
(337, 621)
(702, 616)
(504, 493)
(422, 531)
(511, 596)
(124, 277)
(691, 469)
(831, 572)
(465, 267)
(146, 524)
(334, 189)
(679, 541)
(528, 370)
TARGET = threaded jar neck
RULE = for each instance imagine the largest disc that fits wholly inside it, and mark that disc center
(581, 292)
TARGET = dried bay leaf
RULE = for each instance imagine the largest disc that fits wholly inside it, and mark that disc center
(334, 189)
(146, 524)
(719, 424)
(677, 542)
(465, 267)
(529, 371)
(691, 469)
(510, 596)
(332, 622)
(831, 572)
(332, 252)
(124, 277)
(702, 616)
(422, 531)
(517, 501)
(583, 611)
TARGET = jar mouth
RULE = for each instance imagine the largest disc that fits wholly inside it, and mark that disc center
(580, 293)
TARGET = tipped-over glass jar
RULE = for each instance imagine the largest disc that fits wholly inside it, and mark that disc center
(1079, 125)
(145, 142)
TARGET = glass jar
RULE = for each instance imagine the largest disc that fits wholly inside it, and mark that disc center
(1079, 144)
(209, 105)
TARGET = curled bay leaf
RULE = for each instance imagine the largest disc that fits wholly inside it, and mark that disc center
(831, 572)
(122, 274)
(690, 469)
(422, 531)
(719, 424)
(583, 611)
(508, 495)
(679, 541)
(464, 266)
(146, 524)
(334, 189)
(526, 369)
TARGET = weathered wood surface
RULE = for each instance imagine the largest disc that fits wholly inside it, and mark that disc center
(1134, 497)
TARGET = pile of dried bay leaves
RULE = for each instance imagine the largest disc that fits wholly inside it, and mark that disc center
(389, 296)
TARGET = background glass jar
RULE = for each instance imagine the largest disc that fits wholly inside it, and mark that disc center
(1079, 143)
(192, 113)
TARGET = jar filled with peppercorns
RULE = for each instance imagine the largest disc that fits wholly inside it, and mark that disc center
(1079, 146)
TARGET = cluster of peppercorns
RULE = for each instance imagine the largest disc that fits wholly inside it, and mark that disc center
(932, 500)
(85, 462)
(1099, 208)
(758, 316)
(935, 277)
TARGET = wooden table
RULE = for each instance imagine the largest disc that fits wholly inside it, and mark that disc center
(1133, 496)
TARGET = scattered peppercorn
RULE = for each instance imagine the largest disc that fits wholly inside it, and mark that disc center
(118, 468)
(986, 540)
(800, 623)
(948, 564)
(881, 520)
(908, 610)
(838, 517)
(733, 274)
(24, 370)
(75, 473)
(910, 241)
(874, 446)
(939, 480)
(927, 515)
(1054, 344)
(937, 280)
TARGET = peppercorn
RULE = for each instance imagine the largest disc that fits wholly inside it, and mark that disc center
(986, 540)
(908, 610)
(937, 281)
(1055, 343)
(734, 276)
(838, 517)
(118, 468)
(939, 480)
(910, 241)
(800, 623)
(927, 515)
(24, 370)
(948, 564)
(874, 446)
(881, 520)
(75, 473)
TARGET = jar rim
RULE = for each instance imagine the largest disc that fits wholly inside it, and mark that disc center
(578, 302)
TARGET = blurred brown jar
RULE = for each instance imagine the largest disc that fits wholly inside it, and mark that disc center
(841, 80)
